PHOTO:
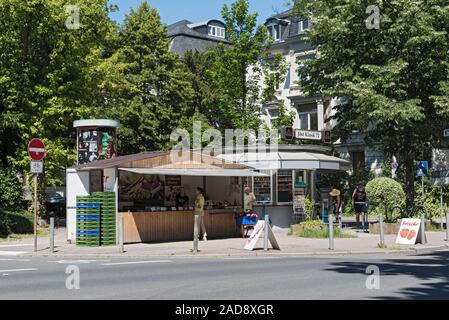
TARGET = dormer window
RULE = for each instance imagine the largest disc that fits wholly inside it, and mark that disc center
(216, 31)
(303, 25)
(275, 31)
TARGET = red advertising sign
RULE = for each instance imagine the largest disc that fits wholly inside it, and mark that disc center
(36, 149)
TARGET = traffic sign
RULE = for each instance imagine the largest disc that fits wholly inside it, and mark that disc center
(422, 167)
(36, 149)
(446, 133)
(36, 167)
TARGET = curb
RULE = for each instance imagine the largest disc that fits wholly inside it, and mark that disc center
(406, 251)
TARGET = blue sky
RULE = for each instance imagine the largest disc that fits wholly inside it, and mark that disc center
(196, 10)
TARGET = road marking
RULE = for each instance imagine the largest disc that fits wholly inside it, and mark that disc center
(25, 260)
(78, 261)
(11, 253)
(18, 270)
(15, 245)
(135, 262)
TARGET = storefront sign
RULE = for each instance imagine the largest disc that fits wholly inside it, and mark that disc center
(308, 135)
(257, 233)
(409, 231)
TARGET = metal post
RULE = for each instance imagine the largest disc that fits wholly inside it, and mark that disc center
(447, 226)
(52, 234)
(423, 227)
(381, 226)
(331, 231)
(265, 235)
(121, 234)
(196, 232)
(441, 208)
(35, 212)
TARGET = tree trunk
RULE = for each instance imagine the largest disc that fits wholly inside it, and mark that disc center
(409, 182)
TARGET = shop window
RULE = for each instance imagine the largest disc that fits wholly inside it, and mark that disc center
(284, 186)
(358, 160)
(262, 188)
(96, 181)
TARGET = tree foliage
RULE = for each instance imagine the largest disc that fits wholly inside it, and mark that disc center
(395, 78)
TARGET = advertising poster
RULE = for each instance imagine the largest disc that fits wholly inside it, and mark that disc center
(96, 144)
(172, 189)
(440, 167)
(136, 187)
(408, 232)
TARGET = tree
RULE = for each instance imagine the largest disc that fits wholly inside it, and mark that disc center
(240, 68)
(395, 77)
(148, 91)
(47, 77)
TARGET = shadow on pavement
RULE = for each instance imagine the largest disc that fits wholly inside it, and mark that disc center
(426, 267)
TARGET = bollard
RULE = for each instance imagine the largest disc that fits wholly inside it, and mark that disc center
(423, 228)
(447, 226)
(331, 232)
(441, 209)
(121, 234)
(52, 234)
(196, 231)
(265, 235)
(381, 226)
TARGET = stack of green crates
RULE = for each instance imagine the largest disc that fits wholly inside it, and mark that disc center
(87, 222)
(108, 217)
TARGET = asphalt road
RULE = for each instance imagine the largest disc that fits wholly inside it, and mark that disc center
(424, 276)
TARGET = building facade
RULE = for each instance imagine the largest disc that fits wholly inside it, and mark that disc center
(310, 112)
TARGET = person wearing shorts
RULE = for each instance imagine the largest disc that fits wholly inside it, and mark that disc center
(358, 196)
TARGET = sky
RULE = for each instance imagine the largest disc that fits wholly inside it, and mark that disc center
(172, 11)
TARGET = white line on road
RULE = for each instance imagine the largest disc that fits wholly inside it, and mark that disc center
(17, 270)
(15, 245)
(78, 261)
(25, 260)
(135, 262)
(11, 253)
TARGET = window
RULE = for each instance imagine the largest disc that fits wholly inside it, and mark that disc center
(216, 31)
(358, 160)
(308, 120)
(273, 113)
(262, 188)
(96, 181)
(275, 31)
(285, 186)
(303, 25)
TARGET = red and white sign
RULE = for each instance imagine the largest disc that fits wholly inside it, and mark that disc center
(409, 231)
(257, 233)
(36, 149)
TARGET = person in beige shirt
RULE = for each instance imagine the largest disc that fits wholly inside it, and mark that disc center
(199, 218)
(248, 200)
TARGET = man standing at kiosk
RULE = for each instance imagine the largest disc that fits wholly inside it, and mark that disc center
(249, 200)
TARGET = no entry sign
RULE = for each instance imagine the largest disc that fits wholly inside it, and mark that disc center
(36, 149)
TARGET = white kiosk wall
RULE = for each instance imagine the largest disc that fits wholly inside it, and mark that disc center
(77, 185)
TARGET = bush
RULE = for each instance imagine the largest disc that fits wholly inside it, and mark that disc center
(10, 189)
(17, 221)
(386, 192)
(316, 229)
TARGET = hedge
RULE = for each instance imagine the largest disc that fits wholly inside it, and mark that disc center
(18, 221)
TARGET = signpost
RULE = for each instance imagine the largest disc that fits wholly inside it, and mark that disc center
(36, 151)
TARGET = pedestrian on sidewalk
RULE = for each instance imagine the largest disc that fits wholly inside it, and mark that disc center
(359, 202)
(199, 218)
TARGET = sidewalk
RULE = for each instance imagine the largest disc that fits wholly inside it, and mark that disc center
(290, 246)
